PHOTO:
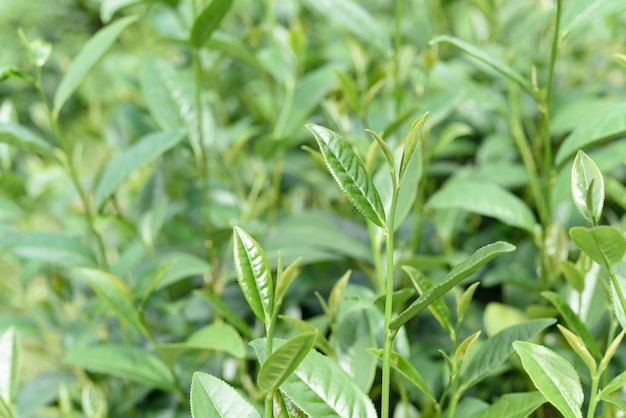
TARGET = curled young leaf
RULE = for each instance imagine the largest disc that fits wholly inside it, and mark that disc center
(587, 188)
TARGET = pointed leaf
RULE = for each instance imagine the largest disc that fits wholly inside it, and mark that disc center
(284, 280)
(214, 337)
(116, 294)
(55, 248)
(573, 275)
(406, 369)
(615, 384)
(438, 308)
(460, 272)
(482, 56)
(254, 275)
(127, 362)
(147, 149)
(410, 144)
(336, 294)
(587, 187)
(498, 348)
(513, 405)
(579, 348)
(321, 388)
(604, 244)
(87, 58)
(212, 397)
(282, 362)
(22, 138)
(349, 173)
(486, 199)
(386, 151)
(610, 351)
(208, 21)
(9, 365)
(553, 376)
(573, 321)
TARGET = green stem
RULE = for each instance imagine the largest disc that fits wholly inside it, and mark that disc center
(389, 334)
(375, 244)
(593, 396)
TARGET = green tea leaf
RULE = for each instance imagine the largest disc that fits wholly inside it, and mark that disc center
(87, 58)
(573, 321)
(147, 149)
(498, 348)
(284, 280)
(460, 272)
(212, 397)
(9, 365)
(282, 362)
(214, 337)
(355, 333)
(486, 199)
(587, 188)
(615, 384)
(410, 144)
(208, 21)
(406, 369)
(116, 294)
(349, 173)
(438, 308)
(127, 362)
(573, 275)
(254, 275)
(223, 310)
(22, 138)
(320, 388)
(108, 8)
(615, 400)
(553, 376)
(161, 93)
(579, 348)
(599, 128)
(604, 244)
(482, 56)
(55, 248)
(610, 351)
(386, 152)
(513, 405)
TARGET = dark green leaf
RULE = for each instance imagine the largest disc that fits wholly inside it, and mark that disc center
(350, 174)
(438, 308)
(281, 363)
(460, 272)
(208, 21)
(553, 376)
(87, 58)
(254, 275)
(604, 244)
(127, 362)
(147, 149)
(498, 348)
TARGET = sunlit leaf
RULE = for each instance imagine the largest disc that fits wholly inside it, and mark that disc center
(587, 187)
(604, 244)
(410, 144)
(513, 405)
(212, 397)
(553, 376)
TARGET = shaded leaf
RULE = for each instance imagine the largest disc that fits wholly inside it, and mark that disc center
(349, 173)
(498, 348)
(486, 199)
(147, 149)
(89, 55)
(108, 8)
(553, 376)
(615, 384)
(254, 275)
(226, 311)
(319, 387)
(513, 405)
(22, 138)
(55, 248)
(460, 272)
(127, 362)
(438, 308)
(281, 363)
(355, 333)
(208, 21)
(603, 244)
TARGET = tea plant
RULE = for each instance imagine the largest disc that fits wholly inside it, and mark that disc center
(172, 239)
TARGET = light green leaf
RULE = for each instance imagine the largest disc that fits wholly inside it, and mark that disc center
(214, 337)
(161, 93)
(284, 280)
(22, 138)
(127, 362)
(87, 58)
(553, 376)
(355, 18)
(587, 188)
(321, 388)
(498, 348)
(618, 290)
(406, 369)
(573, 275)
(603, 244)
(282, 362)
(355, 333)
(225, 311)
(576, 13)
(254, 275)
(610, 351)
(386, 152)
(482, 56)
(616, 400)
(410, 144)
(183, 265)
(573, 321)
(513, 405)
(599, 128)
(147, 149)
(116, 294)
(235, 48)
(212, 397)
(55, 248)
(460, 272)
(9, 365)
(579, 348)
(438, 308)
(615, 384)
(109, 7)
(486, 199)
(350, 174)
(208, 21)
